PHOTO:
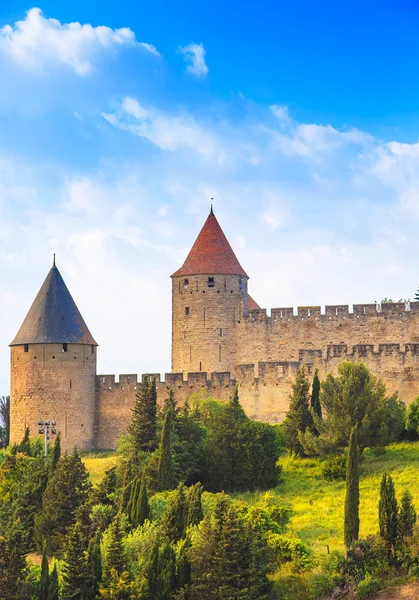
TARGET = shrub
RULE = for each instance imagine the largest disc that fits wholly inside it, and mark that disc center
(334, 468)
(367, 586)
(290, 549)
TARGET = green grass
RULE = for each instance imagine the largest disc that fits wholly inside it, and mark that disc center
(318, 504)
(97, 463)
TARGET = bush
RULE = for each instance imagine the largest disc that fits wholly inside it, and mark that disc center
(290, 549)
(334, 468)
(367, 586)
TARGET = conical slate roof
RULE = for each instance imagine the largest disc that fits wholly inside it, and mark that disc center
(53, 317)
(211, 253)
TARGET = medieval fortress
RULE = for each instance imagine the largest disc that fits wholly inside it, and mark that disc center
(220, 338)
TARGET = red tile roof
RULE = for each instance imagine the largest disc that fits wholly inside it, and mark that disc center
(211, 253)
(252, 304)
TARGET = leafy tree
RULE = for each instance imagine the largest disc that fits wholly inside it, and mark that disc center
(412, 419)
(351, 524)
(44, 581)
(53, 589)
(67, 489)
(25, 444)
(103, 492)
(13, 563)
(195, 512)
(388, 510)
(143, 426)
(315, 395)
(119, 587)
(160, 573)
(229, 560)
(407, 515)
(94, 560)
(356, 396)
(56, 452)
(76, 575)
(174, 519)
(165, 471)
(298, 418)
(5, 420)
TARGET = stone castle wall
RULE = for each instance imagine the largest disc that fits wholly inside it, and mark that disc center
(264, 388)
(50, 384)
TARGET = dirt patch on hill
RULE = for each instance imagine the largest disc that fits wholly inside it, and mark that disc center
(403, 592)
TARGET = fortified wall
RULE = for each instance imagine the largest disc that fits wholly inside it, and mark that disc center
(284, 343)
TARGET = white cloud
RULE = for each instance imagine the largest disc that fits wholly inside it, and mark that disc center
(37, 42)
(194, 54)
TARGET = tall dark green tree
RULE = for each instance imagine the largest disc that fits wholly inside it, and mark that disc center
(94, 560)
(53, 588)
(116, 556)
(5, 419)
(25, 444)
(195, 512)
(388, 510)
(67, 489)
(56, 451)
(165, 467)
(407, 515)
(351, 523)
(143, 426)
(174, 519)
(142, 506)
(298, 418)
(13, 562)
(44, 580)
(315, 395)
(160, 572)
(77, 583)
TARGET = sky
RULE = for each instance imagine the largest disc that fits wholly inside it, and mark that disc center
(120, 121)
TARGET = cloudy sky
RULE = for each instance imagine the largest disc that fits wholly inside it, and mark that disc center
(120, 121)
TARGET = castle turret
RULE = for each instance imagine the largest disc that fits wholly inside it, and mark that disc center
(209, 297)
(53, 368)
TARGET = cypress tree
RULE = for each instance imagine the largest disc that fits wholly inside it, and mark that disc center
(142, 507)
(53, 585)
(143, 426)
(298, 418)
(195, 512)
(407, 516)
(25, 444)
(165, 468)
(183, 565)
(388, 510)
(56, 452)
(44, 581)
(13, 568)
(132, 502)
(351, 524)
(174, 519)
(94, 559)
(315, 395)
(116, 558)
(76, 575)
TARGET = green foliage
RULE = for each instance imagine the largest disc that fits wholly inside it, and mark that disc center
(367, 586)
(357, 397)
(298, 418)
(119, 587)
(412, 418)
(334, 468)
(94, 561)
(67, 489)
(44, 580)
(25, 445)
(165, 470)
(77, 584)
(195, 512)
(351, 522)
(5, 420)
(143, 426)
(175, 518)
(407, 515)
(53, 588)
(388, 510)
(13, 569)
(315, 395)
(115, 550)
(229, 560)
(56, 451)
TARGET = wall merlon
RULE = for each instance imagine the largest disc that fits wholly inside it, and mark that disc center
(336, 310)
(308, 311)
(389, 349)
(414, 307)
(173, 379)
(365, 309)
(393, 307)
(336, 350)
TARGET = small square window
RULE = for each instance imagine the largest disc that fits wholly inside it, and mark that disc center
(186, 310)
(211, 282)
(185, 283)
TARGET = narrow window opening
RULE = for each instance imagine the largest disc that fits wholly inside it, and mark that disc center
(65, 347)
(70, 384)
(221, 333)
(200, 365)
(186, 283)
(93, 349)
(190, 353)
(186, 310)
(219, 352)
(204, 316)
(240, 284)
(225, 284)
(196, 285)
(26, 348)
(211, 282)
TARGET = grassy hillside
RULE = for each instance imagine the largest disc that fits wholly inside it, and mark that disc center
(97, 463)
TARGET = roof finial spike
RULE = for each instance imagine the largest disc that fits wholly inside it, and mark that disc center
(53, 260)
(212, 212)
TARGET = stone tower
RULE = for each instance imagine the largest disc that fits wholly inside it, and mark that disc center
(53, 368)
(209, 297)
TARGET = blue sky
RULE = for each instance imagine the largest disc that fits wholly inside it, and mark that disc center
(119, 122)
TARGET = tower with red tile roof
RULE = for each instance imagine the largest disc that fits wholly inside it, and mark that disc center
(53, 369)
(209, 299)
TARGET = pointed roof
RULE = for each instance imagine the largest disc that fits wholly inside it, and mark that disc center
(252, 304)
(211, 253)
(53, 317)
